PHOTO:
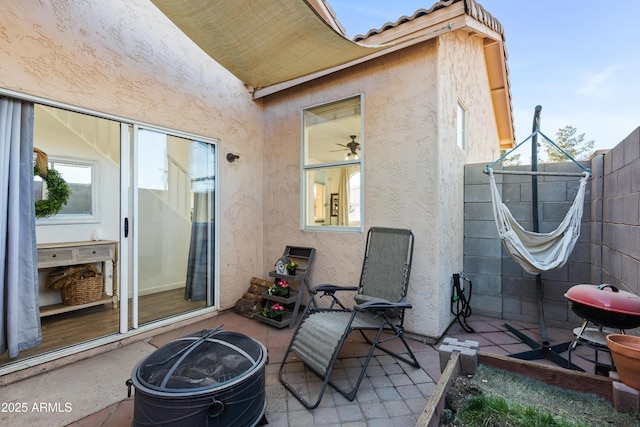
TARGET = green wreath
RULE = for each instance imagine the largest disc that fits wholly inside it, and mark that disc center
(58, 193)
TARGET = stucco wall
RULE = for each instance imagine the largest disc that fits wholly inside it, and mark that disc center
(413, 169)
(125, 58)
(463, 77)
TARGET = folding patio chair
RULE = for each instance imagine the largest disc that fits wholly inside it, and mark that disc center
(380, 302)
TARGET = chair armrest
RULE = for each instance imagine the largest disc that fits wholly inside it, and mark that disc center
(331, 288)
(381, 304)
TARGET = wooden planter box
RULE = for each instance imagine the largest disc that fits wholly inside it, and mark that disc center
(552, 375)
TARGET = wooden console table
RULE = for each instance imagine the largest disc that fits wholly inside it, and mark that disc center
(74, 253)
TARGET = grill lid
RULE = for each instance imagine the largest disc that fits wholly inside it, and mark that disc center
(605, 297)
(204, 360)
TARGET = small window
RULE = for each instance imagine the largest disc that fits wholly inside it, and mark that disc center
(332, 152)
(461, 126)
(80, 175)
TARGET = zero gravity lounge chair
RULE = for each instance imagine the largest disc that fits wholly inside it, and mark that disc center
(379, 307)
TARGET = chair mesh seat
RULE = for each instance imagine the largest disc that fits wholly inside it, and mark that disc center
(318, 340)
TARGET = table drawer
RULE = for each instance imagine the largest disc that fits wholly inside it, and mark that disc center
(97, 252)
(54, 256)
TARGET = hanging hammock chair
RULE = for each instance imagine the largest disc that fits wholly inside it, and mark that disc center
(538, 252)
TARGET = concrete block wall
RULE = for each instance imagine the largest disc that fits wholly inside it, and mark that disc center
(608, 250)
(501, 288)
(482, 247)
(620, 226)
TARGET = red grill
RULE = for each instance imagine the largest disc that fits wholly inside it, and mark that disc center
(605, 305)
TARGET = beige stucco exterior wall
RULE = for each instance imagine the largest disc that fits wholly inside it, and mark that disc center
(462, 77)
(124, 58)
(413, 168)
(400, 167)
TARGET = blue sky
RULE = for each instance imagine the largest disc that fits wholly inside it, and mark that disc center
(579, 60)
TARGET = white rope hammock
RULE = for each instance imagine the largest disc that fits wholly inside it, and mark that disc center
(538, 252)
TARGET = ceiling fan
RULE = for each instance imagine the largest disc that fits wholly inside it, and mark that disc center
(352, 145)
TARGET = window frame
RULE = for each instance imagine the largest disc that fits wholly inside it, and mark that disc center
(94, 216)
(461, 125)
(306, 186)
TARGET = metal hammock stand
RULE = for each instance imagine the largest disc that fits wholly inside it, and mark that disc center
(543, 350)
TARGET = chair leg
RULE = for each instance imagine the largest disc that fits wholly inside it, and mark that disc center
(297, 395)
(413, 361)
(350, 395)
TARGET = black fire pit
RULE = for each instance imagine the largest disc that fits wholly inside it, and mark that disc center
(212, 378)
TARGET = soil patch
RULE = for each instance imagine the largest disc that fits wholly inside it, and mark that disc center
(570, 408)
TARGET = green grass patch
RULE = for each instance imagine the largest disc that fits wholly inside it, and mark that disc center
(495, 411)
(499, 398)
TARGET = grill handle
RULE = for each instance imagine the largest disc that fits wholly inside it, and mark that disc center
(613, 288)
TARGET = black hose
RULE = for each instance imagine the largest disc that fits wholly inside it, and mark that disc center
(461, 302)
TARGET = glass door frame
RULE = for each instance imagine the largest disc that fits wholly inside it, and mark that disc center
(128, 258)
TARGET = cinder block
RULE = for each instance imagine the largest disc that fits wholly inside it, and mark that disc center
(444, 352)
(468, 361)
(625, 398)
(492, 303)
(511, 193)
(481, 265)
(466, 343)
(479, 227)
(468, 354)
(481, 211)
(552, 192)
(483, 247)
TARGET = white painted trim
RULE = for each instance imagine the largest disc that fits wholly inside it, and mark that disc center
(123, 254)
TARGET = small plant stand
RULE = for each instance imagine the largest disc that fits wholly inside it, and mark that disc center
(304, 258)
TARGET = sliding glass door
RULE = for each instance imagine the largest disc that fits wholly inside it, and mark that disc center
(173, 228)
(139, 216)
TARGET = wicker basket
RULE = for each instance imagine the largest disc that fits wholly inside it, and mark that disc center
(82, 291)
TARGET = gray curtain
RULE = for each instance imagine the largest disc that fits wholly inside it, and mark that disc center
(200, 263)
(19, 305)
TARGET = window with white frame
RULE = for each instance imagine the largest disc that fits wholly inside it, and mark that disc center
(82, 204)
(332, 161)
(461, 126)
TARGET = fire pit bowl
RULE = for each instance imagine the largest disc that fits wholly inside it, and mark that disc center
(211, 378)
(625, 350)
(605, 305)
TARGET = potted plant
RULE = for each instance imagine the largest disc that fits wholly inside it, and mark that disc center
(291, 268)
(280, 288)
(275, 312)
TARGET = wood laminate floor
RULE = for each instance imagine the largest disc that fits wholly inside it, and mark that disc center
(75, 327)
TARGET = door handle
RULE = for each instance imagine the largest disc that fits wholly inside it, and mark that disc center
(126, 227)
